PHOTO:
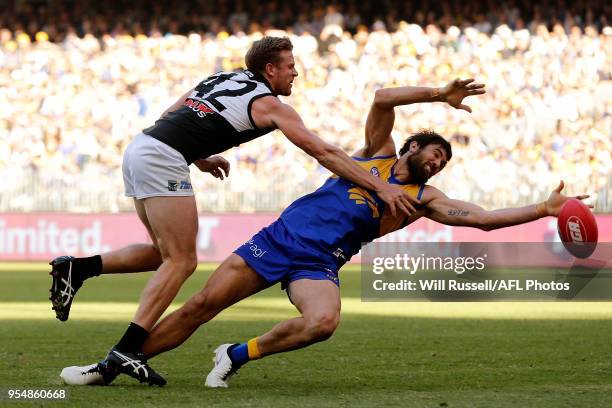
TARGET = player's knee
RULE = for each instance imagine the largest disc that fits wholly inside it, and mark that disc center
(199, 302)
(201, 307)
(191, 263)
(322, 326)
(234, 262)
(184, 264)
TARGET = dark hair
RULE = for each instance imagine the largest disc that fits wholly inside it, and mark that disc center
(267, 50)
(427, 137)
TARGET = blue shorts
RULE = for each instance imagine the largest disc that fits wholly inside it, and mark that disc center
(278, 257)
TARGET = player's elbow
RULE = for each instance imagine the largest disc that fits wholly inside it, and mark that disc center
(485, 222)
(311, 145)
(486, 227)
(382, 98)
(324, 154)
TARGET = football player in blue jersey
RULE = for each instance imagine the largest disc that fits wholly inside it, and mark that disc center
(318, 233)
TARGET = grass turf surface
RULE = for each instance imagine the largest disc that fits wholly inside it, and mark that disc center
(383, 354)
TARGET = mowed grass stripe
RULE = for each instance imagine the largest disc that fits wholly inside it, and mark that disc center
(280, 308)
(28, 266)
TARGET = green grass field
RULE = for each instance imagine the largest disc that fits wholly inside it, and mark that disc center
(383, 354)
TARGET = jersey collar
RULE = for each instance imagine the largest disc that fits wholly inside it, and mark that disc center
(393, 179)
(260, 78)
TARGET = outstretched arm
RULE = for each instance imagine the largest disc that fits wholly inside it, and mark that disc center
(460, 213)
(381, 117)
(271, 112)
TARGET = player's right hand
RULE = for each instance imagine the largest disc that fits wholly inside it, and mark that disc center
(397, 199)
(454, 92)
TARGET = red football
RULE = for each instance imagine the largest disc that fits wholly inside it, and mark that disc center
(577, 228)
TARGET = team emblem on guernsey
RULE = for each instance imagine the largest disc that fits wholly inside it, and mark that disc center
(375, 172)
(173, 185)
(361, 196)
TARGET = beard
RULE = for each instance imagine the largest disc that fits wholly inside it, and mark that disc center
(416, 169)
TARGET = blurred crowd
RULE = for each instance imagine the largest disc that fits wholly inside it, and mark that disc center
(59, 18)
(74, 90)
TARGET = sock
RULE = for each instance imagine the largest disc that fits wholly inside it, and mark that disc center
(88, 267)
(133, 338)
(243, 353)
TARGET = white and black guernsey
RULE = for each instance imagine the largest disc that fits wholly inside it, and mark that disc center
(215, 116)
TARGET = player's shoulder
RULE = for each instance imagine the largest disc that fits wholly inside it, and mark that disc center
(386, 151)
(379, 166)
(271, 104)
(268, 110)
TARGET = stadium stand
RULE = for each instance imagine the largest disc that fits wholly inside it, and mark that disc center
(78, 80)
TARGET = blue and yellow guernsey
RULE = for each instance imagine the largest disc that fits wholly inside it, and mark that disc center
(339, 217)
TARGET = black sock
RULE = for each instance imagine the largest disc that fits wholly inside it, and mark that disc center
(133, 338)
(88, 267)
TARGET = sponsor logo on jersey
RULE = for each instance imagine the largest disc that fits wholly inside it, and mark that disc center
(198, 107)
(257, 252)
(185, 185)
(375, 172)
(176, 185)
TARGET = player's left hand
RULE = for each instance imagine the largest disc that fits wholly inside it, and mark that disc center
(556, 200)
(454, 92)
(215, 165)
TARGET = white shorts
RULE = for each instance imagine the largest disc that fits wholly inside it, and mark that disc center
(152, 168)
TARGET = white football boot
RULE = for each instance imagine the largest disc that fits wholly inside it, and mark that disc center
(222, 371)
(85, 375)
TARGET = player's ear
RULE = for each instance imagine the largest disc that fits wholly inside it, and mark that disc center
(270, 69)
(414, 146)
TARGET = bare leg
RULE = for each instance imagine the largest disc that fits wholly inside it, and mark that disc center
(319, 303)
(233, 281)
(174, 222)
(134, 258)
